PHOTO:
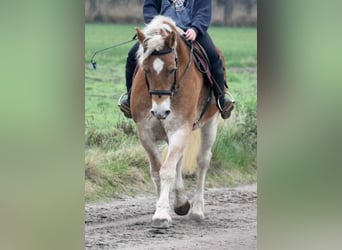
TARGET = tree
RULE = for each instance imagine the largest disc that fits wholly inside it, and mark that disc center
(93, 10)
(228, 6)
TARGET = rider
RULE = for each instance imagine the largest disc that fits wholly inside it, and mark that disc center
(193, 16)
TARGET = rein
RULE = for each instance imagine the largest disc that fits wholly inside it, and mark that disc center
(111, 47)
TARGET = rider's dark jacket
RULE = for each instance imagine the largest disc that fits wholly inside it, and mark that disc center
(187, 14)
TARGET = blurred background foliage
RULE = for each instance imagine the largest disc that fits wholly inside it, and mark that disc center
(225, 12)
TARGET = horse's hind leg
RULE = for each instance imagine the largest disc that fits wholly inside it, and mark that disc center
(181, 205)
(208, 133)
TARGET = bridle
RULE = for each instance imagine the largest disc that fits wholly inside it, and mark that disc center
(174, 86)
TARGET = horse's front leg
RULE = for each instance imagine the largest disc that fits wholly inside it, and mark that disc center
(181, 205)
(151, 148)
(177, 139)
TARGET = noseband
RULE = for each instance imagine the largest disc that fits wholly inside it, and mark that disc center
(172, 91)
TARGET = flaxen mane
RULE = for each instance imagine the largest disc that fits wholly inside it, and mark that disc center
(155, 33)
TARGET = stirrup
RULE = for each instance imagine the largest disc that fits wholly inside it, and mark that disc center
(124, 105)
(226, 110)
(121, 97)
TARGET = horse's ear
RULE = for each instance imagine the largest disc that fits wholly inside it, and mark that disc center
(140, 35)
(170, 40)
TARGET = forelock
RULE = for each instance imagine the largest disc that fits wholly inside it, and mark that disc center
(155, 33)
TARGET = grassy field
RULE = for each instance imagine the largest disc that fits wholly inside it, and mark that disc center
(115, 162)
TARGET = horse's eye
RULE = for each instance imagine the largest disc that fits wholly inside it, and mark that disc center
(171, 71)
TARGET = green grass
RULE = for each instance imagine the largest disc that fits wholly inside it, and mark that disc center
(115, 161)
(237, 44)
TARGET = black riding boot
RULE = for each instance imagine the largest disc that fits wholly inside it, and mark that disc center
(125, 102)
(130, 68)
(224, 104)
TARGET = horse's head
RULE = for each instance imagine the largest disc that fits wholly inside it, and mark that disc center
(157, 57)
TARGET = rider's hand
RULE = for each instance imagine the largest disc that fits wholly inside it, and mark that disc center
(190, 34)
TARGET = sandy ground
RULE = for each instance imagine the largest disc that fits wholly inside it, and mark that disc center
(230, 223)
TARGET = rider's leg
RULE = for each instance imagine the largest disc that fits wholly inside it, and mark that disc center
(131, 64)
(224, 104)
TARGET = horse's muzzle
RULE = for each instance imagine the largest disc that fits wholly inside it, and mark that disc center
(161, 115)
(161, 109)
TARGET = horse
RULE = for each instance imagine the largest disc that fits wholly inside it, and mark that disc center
(168, 97)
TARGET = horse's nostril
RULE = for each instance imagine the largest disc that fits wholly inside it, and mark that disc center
(167, 112)
(152, 112)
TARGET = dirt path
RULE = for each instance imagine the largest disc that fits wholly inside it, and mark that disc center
(230, 223)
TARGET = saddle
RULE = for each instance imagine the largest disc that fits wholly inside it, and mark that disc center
(202, 62)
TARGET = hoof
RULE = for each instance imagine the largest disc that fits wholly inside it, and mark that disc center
(197, 217)
(161, 223)
(183, 210)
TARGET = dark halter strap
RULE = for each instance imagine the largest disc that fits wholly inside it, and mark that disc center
(162, 52)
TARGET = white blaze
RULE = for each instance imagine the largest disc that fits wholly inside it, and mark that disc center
(161, 107)
(158, 65)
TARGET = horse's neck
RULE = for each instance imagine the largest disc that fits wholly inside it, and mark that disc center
(182, 49)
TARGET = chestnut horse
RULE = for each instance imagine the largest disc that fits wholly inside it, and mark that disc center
(167, 102)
